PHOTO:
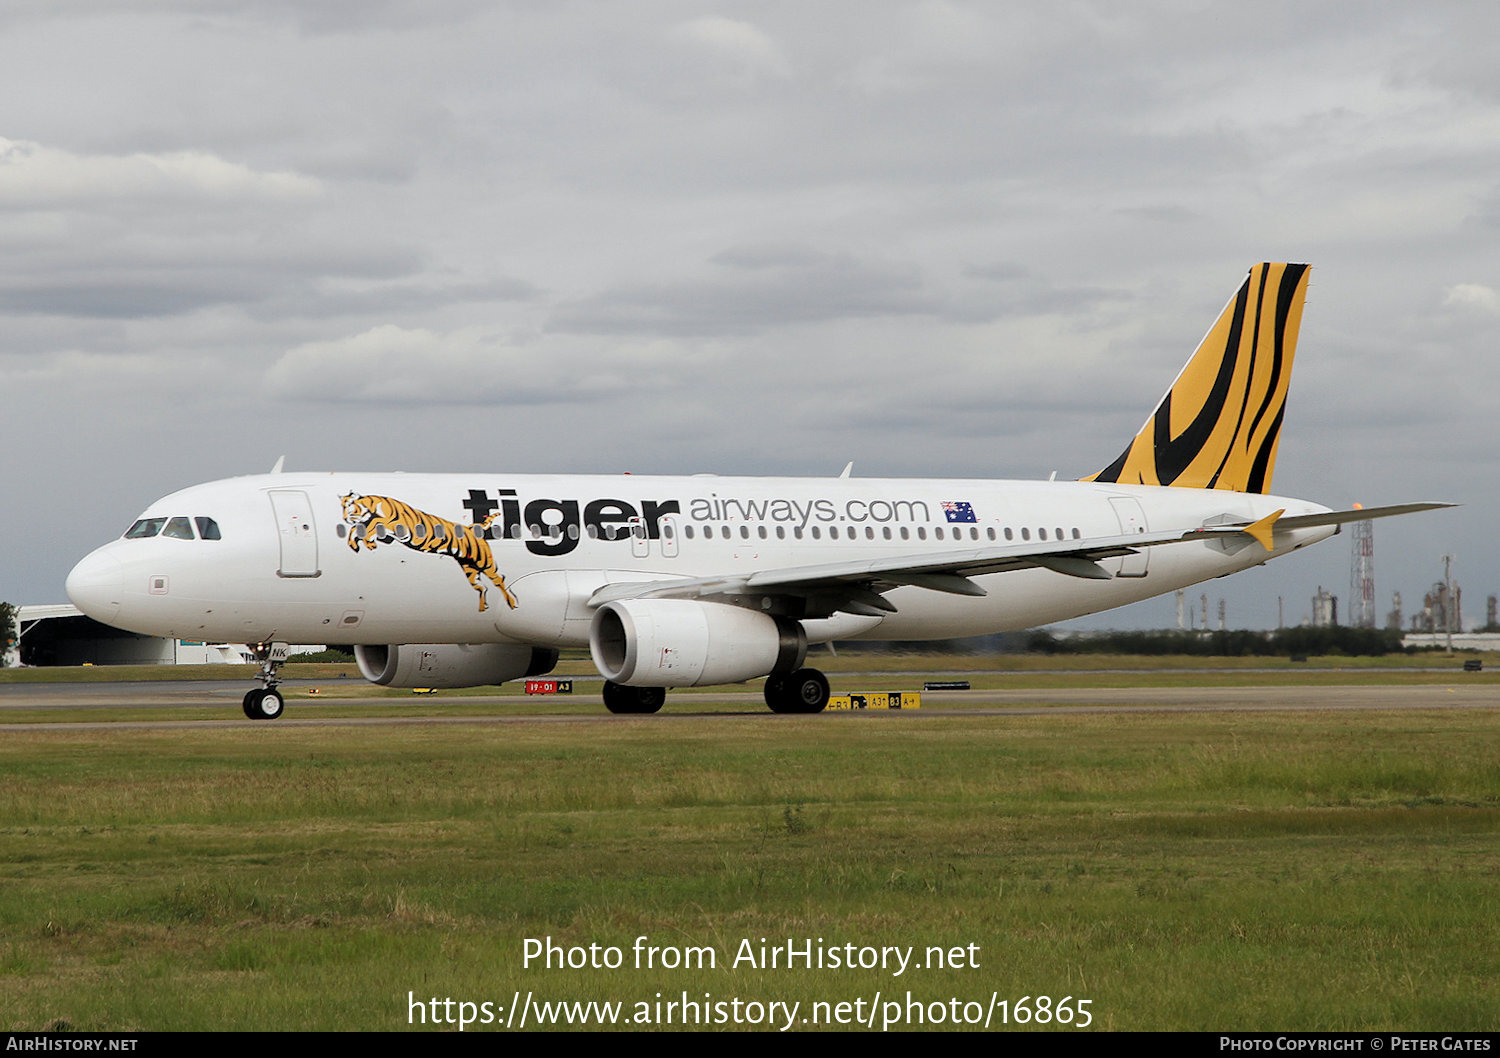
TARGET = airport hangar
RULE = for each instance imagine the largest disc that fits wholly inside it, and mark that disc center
(62, 635)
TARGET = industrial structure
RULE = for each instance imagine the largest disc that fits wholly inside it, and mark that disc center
(1325, 609)
(1362, 577)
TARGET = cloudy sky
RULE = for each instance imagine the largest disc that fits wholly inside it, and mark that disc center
(945, 238)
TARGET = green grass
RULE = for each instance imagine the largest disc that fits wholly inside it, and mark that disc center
(1290, 872)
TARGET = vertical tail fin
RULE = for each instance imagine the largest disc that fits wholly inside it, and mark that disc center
(1219, 424)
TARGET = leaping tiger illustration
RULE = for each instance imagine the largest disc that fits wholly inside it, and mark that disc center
(379, 519)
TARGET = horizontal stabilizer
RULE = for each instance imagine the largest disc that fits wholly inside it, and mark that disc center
(1358, 514)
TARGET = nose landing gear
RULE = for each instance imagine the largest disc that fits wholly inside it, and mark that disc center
(265, 702)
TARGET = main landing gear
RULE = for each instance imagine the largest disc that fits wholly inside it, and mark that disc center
(803, 691)
(621, 699)
(265, 702)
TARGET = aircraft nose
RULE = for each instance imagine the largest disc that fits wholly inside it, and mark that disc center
(97, 586)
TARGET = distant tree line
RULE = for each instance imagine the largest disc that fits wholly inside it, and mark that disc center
(1295, 642)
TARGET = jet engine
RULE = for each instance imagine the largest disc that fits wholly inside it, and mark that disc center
(451, 664)
(686, 643)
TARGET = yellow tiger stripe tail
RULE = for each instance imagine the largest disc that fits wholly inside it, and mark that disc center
(1219, 424)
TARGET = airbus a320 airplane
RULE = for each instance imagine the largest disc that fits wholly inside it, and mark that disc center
(454, 580)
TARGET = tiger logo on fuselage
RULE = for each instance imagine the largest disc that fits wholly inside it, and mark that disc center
(376, 520)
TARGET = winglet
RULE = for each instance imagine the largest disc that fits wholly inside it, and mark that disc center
(1262, 530)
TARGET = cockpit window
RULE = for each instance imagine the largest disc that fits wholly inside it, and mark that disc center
(145, 527)
(178, 528)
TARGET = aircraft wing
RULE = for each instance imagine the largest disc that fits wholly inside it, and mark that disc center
(857, 586)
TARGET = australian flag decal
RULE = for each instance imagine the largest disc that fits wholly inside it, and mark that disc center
(957, 511)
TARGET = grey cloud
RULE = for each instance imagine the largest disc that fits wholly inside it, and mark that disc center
(413, 366)
(34, 176)
(780, 255)
(788, 285)
(313, 16)
(326, 299)
(588, 221)
(139, 278)
(1014, 290)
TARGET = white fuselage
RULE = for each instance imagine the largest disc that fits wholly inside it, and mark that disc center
(283, 567)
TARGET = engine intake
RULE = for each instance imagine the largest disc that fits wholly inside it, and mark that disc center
(685, 643)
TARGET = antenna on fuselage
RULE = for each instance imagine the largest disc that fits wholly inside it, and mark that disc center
(277, 468)
(849, 466)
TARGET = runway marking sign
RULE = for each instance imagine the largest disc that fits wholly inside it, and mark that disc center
(877, 700)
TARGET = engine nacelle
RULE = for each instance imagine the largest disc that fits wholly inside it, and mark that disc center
(685, 643)
(451, 664)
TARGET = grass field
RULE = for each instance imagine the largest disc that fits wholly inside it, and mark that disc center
(1246, 871)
